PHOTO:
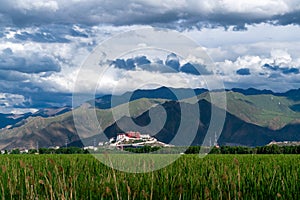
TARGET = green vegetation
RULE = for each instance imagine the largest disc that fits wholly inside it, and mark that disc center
(69, 150)
(144, 149)
(270, 149)
(190, 177)
(264, 110)
(59, 125)
(270, 111)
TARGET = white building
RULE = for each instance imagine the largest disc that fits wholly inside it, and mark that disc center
(146, 136)
(121, 137)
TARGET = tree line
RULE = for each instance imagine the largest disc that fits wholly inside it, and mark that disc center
(64, 150)
(271, 149)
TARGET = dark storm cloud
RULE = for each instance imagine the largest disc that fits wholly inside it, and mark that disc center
(282, 69)
(287, 18)
(171, 65)
(50, 99)
(292, 70)
(13, 76)
(195, 69)
(173, 61)
(34, 63)
(40, 37)
(47, 33)
(141, 60)
(271, 67)
(39, 98)
(243, 71)
(172, 14)
(29, 68)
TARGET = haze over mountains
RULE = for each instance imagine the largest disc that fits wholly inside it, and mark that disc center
(253, 118)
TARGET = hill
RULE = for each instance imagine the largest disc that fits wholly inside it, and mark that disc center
(253, 118)
(54, 131)
(235, 132)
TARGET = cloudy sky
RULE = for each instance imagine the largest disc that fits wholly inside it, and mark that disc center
(43, 43)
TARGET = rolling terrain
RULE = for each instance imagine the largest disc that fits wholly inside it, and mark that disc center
(236, 131)
(253, 118)
(55, 130)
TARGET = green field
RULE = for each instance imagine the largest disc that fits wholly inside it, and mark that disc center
(190, 177)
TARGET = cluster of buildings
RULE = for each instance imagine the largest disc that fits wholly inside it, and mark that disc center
(134, 139)
(284, 143)
(131, 135)
(122, 140)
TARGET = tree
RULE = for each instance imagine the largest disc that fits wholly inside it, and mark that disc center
(32, 151)
(15, 151)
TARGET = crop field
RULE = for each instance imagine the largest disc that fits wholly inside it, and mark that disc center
(189, 177)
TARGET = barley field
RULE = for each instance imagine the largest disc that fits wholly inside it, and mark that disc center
(189, 177)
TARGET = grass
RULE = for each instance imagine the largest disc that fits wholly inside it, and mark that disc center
(264, 110)
(189, 177)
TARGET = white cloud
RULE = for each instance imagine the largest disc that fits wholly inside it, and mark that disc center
(14, 103)
(69, 45)
(258, 33)
(280, 74)
(265, 8)
(277, 57)
(185, 13)
(119, 81)
(281, 57)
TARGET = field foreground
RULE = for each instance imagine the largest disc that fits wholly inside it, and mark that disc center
(189, 177)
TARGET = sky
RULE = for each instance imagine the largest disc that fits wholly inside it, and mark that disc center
(43, 44)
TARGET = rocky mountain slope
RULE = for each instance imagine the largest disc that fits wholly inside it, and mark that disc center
(254, 118)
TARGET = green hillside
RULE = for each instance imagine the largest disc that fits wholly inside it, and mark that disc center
(264, 110)
(36, 128)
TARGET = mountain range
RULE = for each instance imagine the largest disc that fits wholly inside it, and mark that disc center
(253, 118)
